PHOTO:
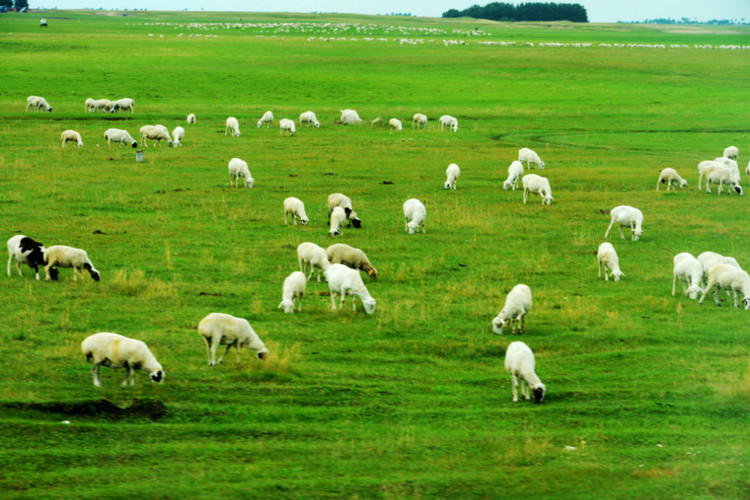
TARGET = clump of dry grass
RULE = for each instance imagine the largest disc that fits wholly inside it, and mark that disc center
(281, 360)
(734, 385)
(137, 284)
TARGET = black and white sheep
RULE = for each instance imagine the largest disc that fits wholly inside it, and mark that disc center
(29, 252)
(64, 256)
(117, 351)
(343, 201)
(225, 329)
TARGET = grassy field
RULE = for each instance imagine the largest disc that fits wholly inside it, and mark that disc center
(647, 394)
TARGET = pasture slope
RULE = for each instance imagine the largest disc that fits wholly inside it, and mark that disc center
(647, 394)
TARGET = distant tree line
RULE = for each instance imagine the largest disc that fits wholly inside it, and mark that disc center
(497, 11)
(18, 4)
(685, 20)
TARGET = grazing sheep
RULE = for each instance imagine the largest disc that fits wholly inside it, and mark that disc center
(628, 216)
(232, 126)
(520, 363)
(452, 172)
(191, 119)
(287, 125)
(705, 168)
(732, 153)
(177, 135)
(670, 176)
(607, 256)
(110, 106)
(124, 104)
(266, 119)
(689, 271)
(529, 156)
(450, 122)
(343, 280)
(515, 171)
(395, 124)
(728, 277)
(294, 288)
(728, 162)
(517, 305)
(419, 120)
(415, 214)
(238, 169)
(296, 208)
(100, 104)
(119, 135)
(340, 200)
(117, 351)
(710, 259)
(308, 118)
(64, 256)
(156, 133)
(29, 252)
(722, 174)
(338, 217)
(89, 105)
(37, 103)
(72, 136)
(355, 258)
(534, 184)
(311, 254)
(225, 329)
(350, 117)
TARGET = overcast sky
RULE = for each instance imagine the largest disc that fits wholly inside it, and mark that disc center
(598, 10)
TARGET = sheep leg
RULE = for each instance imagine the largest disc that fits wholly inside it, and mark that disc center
(706, 290)
(318, 273)
(736, 302)
(18, 266)
(609, 228)
(406, 224)
(229, 346)
(75, 274)
(674, 284)
(128, 373)
(95, 373)
(236, 351)
(525, 194)
(622, 236)
(299, 304)
(514, 381)
(333, 300)
(525, 389)
(208, 349)
(523, 324)
(214, 346)
(716, 295)
(47, 276)
(285, 220)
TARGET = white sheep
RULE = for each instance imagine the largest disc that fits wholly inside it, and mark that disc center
(731, 152)
(232, 126)
(625, 215)
(705, 168)
(355, 258)
(311, 254)
(710, 259)
(239, 169)
(37, 103)
(191, 119)
(395, 124)
(450, 122)
(722, 174)
(350, 117)
(452, 172)
(99, 104)
(109, 106)
(266, 119)
(308, 118)
(670, 176)
(119, 135)
(156, 133)
(517, 305)
(520, 364)
(728, 277)
(117, 351)
(225, 329)
(29, 252)
(415, 214)
(535, 184)
(64, 256)
(731, 164)
(177, 135)
(337, 219)
(747, 169)
(124, 104)
(515, 171)
(72, 136)
(689, 271)
(343, 280)
(529, 156)
(343, 201)
(294, 288)
(287, 125)
(607, 257)
(89, 105)
(296, 208)
(419, 120)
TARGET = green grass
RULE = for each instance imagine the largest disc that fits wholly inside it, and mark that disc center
(412, 402)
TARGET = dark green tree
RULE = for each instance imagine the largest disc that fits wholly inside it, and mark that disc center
(21, 4)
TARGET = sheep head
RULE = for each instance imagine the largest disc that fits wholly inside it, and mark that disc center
(617, 275)
(499, 323)
(263, 354)
(288, 306)
(693, 291)
(157, 376)
(538, 391)
(369, 304)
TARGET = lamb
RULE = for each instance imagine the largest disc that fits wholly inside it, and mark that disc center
(343, 280)
(294, 288)
(629, 216)
(71, 135)
(722, 174)
(350, 117)
(517, 305)
(296, 208)
(156, 133)
(395, 124)
(728, 277)
(37, 103)
(119, 135)
(343, 201)
(607, 256)
(452, 172)
(232, 126)
(450, 122)
(238, 169)
(534, 184)
(520, 363)
(419, 120)
(732, 153)
(191, 119)
(266, 119)
(415, 214)
(311, 254)
(670, 176)
(117, 351)
(515, 171)
(225, 329)
(177, 135)
(124, 105)
(529, 156)
(287, 125)
(689, 271)
(338, 217)
(355, 258)
(64, 256)
(29, 252)
(308, 118)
